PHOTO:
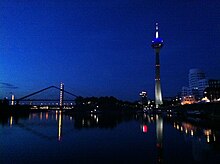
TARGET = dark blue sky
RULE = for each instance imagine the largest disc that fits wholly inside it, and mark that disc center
(103, 47)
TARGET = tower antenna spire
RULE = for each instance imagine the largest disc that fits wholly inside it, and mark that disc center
(157, 30)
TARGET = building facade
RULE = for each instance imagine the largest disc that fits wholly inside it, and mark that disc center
(213, 91)
(185, 91)
(196, 80)
(214, 83)
(202, 85)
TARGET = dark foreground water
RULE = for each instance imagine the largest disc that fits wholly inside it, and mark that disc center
(52, 137)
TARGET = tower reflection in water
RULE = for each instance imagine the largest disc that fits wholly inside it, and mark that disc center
(158, 120)
(159, 133)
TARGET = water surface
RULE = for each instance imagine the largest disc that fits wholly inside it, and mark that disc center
(106, 138)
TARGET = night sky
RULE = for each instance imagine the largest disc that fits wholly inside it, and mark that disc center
(103, 47)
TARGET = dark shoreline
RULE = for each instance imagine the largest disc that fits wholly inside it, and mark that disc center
(206, 110)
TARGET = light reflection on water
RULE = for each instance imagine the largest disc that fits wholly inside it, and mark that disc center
(190, 130)
(134, 138)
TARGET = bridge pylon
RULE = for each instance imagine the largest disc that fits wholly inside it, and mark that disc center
(61, 93)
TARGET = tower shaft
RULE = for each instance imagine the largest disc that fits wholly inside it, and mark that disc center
(158, 93)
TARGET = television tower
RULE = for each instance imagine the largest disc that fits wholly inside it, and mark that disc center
(157, 44)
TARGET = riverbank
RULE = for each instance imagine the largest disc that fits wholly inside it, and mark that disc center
(205, 110)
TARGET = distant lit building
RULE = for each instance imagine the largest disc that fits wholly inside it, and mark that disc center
(143, 94)
(188, 100)
(213, 94)
(202, 85)
(185, 91)
(144, 99)
(176, 100)
(213, 91)
(214, 83)
(195, 75)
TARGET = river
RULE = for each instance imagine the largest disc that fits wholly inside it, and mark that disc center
(55, 137)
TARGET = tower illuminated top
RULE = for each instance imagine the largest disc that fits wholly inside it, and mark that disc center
(157, 42)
